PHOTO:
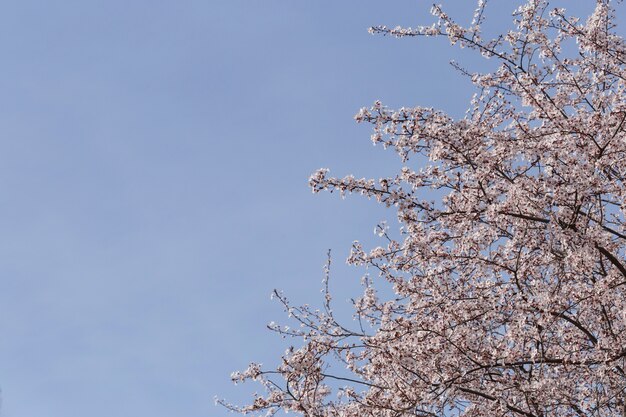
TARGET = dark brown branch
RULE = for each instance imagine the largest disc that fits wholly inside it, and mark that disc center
(492, 398)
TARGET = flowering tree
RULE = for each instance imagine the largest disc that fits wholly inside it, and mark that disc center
(510, 290)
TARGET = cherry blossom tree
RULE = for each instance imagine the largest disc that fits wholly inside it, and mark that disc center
(510, 288)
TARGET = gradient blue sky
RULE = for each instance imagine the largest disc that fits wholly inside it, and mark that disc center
(153, 184)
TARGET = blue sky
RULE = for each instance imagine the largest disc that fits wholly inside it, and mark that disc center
(153, 185)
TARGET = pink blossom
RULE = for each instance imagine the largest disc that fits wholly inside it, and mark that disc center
(510, 289)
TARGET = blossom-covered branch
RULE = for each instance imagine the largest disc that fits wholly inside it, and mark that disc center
(510, 295)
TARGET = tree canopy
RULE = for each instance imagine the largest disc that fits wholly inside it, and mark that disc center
(510, 289)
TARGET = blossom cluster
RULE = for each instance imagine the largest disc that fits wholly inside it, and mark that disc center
(510, 289)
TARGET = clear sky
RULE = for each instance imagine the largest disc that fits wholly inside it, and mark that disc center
(154, 158)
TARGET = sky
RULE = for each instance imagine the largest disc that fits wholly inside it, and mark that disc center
(154, 160)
